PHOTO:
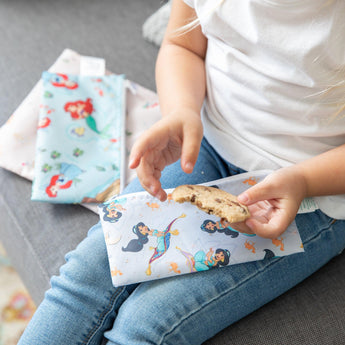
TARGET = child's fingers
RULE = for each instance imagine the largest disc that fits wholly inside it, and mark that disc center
(134, 161)
(136, 154)
(190, 149)
(242, 227)
(261, 191)
(272, 229)
(139, 149)
(145, 174)
(149, 176)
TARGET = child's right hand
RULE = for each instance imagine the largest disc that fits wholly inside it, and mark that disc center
(273, 202)
(177, 135)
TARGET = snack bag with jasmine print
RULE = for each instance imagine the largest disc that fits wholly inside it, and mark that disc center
(147, 239)
(79, 149)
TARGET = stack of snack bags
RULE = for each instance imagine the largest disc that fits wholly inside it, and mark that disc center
(23, 138)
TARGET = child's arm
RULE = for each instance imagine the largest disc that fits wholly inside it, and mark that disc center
(181, 85)
(274, 202)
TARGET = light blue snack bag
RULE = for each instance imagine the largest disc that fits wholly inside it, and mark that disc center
(79, 150)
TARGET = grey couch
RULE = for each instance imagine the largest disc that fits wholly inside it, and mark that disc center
(32, 34)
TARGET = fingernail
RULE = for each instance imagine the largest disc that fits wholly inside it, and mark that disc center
(161, 196)
(243, 198)
(189, 166)
(130, 162)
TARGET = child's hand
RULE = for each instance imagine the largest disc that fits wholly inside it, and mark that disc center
(273, 203)
(175, 136)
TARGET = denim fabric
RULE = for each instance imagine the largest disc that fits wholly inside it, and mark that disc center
(82, 304)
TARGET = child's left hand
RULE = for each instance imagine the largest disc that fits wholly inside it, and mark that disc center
(273, 203)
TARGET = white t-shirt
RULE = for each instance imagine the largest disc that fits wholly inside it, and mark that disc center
(270, 66)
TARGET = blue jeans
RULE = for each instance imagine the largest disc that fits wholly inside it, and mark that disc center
(82, 306)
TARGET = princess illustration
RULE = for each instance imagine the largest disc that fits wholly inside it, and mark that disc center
(63, 180)
(62, 80)
(112, 211)
(222, 226)
(202, 261)
(82, 110)
(163, 243)
(142, 231)
(43, 122)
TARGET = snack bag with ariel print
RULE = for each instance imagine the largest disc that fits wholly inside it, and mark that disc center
(79, 148)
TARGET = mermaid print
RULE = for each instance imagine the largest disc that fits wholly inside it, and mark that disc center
(43, 122)
(63, 180)
(62, 80)
(81, 132)
(80, 110)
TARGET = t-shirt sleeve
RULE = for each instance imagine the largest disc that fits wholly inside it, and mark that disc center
(189, 3)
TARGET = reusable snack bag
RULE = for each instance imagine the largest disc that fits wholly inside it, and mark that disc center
(80, 138)
(147, 239)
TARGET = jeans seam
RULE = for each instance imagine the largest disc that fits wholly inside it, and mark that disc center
(107, 310)
(269, 264)
(331, 222)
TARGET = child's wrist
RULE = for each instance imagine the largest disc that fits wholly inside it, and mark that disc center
(300, 181)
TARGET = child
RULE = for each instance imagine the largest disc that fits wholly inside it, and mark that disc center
(260, 73)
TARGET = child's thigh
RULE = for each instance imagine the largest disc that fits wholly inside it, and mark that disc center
(190, 309)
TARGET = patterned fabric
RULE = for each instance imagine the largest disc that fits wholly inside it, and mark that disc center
(79, 141)
(147, 239)
(18, 135)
